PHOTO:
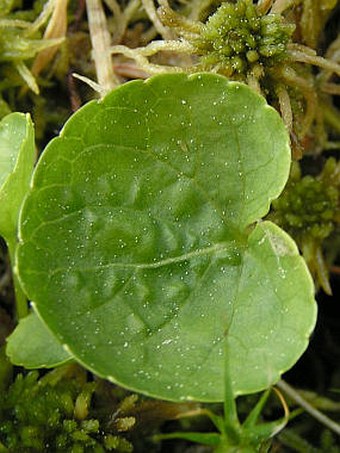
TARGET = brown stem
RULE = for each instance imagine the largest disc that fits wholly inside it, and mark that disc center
(101, 42)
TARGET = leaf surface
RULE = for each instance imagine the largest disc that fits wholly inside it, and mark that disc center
(138, 242)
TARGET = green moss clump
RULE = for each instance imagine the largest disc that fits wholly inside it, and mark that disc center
(308, 210)
(237, 40)
(54, 414)
(309, 206)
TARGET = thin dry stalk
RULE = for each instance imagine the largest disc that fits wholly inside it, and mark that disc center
(101, 42)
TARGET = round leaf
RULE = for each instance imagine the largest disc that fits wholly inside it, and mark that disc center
(138, 242)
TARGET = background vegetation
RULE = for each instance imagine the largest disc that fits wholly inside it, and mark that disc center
(55, 56)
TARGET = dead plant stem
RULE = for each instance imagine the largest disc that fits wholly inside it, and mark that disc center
(101, 42)
(295, 396)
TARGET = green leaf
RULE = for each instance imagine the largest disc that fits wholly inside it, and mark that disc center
(212, 439)
(32, 345)
(138, 245)
(17, 156)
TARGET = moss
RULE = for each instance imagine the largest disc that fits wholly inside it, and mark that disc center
(309, 206)
(54, 413)
(308, 210)
(236, 39)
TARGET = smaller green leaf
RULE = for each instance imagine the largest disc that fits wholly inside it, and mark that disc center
(32, 345)
(17, 157)
(254, 414)
(16, 47)
(211, 439)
